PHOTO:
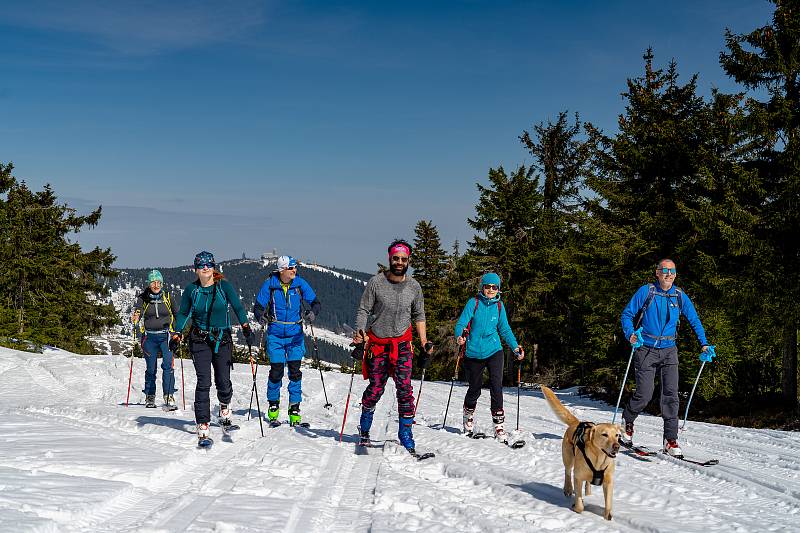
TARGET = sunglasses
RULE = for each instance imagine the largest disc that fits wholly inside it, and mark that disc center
(201, 266)
(667, 271)
(491, 287)
(291, 268)
(399, 259)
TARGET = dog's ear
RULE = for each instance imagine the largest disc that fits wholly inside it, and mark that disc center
(589, 434)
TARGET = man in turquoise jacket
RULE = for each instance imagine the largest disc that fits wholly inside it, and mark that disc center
(481, 324)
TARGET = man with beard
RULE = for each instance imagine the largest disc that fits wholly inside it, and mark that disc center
(391, 301)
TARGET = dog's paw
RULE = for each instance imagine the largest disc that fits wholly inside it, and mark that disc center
(568, 491)
(607, 515)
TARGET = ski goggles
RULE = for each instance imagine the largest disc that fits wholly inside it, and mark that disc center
(491, 287)
(667, 271)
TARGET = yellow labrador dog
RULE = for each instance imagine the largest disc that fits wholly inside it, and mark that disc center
(588, 451)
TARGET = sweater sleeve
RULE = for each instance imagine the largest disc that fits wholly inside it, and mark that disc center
(182, 317)
(504, 329)
(418, 306)
(628, 314)
(688, 310)
(464, 318)
(234, 301)
(365, 306)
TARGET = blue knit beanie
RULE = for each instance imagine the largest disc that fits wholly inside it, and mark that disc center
(154, 275)
(490, 278)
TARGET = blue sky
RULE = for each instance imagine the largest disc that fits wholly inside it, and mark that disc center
(320, 129)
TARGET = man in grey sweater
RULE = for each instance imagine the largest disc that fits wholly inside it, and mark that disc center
(391, 301)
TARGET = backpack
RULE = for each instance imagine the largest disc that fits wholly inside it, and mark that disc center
(651, 293)
(271, 316)
(167, 302)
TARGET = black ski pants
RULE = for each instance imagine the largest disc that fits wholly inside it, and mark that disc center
(473, 370)
(646, 362)
(204, 359)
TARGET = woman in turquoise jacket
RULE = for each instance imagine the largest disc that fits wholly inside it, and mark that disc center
(481, 324)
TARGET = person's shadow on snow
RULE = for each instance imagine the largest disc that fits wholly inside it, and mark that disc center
(167, 421)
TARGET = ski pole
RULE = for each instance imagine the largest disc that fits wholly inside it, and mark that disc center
(183, 383)
(254, 371)
(705, 357)
(519, 380)
(419, 392)
(258, 405)
(360, 350)
(319, 366)
(130, 373)
(453, 381)
(639, 342)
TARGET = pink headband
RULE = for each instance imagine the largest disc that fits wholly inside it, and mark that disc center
(399, 248)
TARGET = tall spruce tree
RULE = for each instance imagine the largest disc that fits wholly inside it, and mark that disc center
(51, 290)
(647, 178)
(767, 60)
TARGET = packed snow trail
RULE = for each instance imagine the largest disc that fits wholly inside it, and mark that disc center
(74, 458)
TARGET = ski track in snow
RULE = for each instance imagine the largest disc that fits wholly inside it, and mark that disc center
(74, 458)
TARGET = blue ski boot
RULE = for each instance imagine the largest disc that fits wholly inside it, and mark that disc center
(405, 435)
(363, 426)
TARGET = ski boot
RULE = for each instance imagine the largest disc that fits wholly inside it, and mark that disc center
(405, 435)
(499, 418)
(150, 401)
(626, 437)
(272, 413)
(169, 403)
(224, 415)
(364, 424)
(672, 448)
(204, 435)
(469, 421)
(294, 414)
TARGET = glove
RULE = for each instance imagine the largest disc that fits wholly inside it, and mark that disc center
(309, 316)
(639, 339)
(708, 354)
(423, 362)
(428, 348)
(175, 342)
(249, 336)
(358, 352)
(263, 319)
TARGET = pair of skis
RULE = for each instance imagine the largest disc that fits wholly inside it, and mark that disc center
(644, 451)
(514, 445)
(364, 444)
(227, 429)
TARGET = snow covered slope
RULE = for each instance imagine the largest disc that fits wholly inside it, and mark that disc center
(73, 458)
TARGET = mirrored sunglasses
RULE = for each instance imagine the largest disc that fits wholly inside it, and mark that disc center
(201, 266)
(667, 271)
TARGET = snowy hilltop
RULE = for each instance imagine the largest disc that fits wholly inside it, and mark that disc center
(73, 457)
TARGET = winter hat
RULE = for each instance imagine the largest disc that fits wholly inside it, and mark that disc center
(154, 275)
(286, 261)
(204, 258)
(490, 278)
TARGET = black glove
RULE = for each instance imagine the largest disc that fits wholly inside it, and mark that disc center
(263, 319)
(309, 316)
(428, 348)
(423, 362)
(248, 333)
(358, 352)
(175, 342)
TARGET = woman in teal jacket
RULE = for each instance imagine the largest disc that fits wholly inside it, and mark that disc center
(481, 324)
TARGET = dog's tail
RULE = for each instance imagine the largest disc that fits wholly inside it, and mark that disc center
(558, 408)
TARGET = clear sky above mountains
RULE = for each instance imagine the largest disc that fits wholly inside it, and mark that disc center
(321, 130)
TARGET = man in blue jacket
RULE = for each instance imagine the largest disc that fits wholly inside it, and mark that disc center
(279, 304)
(656, 307)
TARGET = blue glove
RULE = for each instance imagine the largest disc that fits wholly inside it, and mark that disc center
(708, 354)
(639, 339)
